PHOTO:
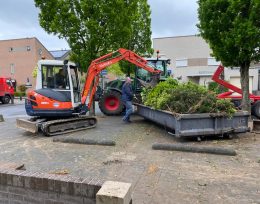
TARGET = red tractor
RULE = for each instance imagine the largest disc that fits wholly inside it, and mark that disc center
(235, 93)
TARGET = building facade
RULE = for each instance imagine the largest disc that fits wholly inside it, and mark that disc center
(191, 60)
(18, 58)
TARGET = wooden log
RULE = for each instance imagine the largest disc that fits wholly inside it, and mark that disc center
(85, 141)
(195, 149)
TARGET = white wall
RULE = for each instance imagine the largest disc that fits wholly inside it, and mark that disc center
(195, 50)
(233, 75)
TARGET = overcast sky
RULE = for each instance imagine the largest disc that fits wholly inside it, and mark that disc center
(19, 19)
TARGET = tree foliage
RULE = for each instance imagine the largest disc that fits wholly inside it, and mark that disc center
(34, 72)
(232, 29)
(115, 69)
(93, 28)
(217, 88)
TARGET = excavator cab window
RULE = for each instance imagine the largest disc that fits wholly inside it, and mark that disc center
(75, 83)
(55, 77)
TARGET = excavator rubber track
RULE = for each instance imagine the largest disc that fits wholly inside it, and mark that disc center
(63, 126)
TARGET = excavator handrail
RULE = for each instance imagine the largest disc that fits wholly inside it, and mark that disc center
(102, 63)
(216, 78)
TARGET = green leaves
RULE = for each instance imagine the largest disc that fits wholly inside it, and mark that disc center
(185, 98)
(152, 97)
(96, 27)
(232, 28)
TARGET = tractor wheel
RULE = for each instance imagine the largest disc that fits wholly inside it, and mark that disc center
(6, 99)
(256, 109)
(110, 103)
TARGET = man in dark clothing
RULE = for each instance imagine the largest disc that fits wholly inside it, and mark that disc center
(60, 79)
(127, 97)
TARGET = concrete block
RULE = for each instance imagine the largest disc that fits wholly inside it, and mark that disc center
(113, 192)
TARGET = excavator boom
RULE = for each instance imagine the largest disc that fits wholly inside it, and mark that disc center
(103, 62)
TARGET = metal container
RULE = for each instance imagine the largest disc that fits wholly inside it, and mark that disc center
(195, 125)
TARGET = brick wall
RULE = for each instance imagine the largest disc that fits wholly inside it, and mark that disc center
(14, 53)
(18, 186)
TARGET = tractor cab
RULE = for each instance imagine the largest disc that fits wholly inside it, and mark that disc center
(58, 79)
(145, 76)
(159, 64)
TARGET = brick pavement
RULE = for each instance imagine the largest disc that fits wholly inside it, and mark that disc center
(156, 176)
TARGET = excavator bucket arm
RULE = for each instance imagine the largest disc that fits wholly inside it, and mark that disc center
(102, 63)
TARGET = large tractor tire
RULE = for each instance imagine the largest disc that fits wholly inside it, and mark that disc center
(256, 109)
(6, 99)
(110, 103)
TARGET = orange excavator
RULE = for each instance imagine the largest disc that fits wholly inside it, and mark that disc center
(57, 106)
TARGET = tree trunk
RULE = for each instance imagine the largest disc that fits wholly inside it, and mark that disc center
(244, 79)
(222, 88)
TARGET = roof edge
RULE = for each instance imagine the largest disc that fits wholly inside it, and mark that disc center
(42, 45)
(27, 38)
(180, 36)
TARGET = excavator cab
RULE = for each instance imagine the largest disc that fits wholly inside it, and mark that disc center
(55, 104)
(60, 77)
(58, 84)
(142, 74)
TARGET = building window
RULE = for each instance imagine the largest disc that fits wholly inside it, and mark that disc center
(28, 48)
(40, 52)
(212, 61)
(12, 68)
(181, 62)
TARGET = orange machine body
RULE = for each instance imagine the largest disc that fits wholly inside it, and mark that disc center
(42, 102)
